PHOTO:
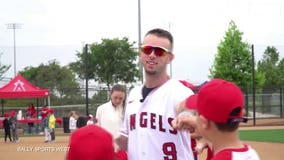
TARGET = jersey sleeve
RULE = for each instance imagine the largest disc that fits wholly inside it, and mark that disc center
(134, 94)
(184, 92)
(124, 129)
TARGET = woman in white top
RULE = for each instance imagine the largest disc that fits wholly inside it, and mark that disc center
(110, 115)
(72, 121)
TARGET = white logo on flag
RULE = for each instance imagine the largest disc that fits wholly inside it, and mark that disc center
(19, 86)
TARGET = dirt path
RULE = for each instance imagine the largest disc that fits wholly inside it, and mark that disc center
(34, 148)
(268, 151)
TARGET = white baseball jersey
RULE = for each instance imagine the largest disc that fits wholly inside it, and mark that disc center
(245, 153)
(147, 124)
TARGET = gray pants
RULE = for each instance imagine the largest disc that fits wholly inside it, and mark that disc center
(49, 134)
(15, 135)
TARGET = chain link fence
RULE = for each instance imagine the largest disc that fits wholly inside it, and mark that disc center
(268, 104)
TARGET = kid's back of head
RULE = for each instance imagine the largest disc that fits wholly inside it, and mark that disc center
(90, 143)
(220, 105)
(221, 102)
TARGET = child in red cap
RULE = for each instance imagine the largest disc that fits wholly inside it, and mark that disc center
(220, 106)
(90, 142)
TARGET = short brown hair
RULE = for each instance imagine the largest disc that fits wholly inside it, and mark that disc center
(162, 33)
(230, 126)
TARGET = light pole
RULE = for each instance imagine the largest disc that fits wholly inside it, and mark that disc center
(1, 53)
(139, 38)
(171, 71)
(14, 26)
(87, 78)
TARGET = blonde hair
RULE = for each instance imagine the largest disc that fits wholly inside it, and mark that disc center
(73, 114)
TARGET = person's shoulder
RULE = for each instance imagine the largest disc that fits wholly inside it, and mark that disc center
(236, 153)
(225, 154)
(135, 92)
(136, 89)
(104, 105)
(252, 152)
(176, 85)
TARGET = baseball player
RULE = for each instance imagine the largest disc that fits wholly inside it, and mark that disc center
(147, 132)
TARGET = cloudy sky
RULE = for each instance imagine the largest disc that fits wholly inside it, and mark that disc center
(57, 29)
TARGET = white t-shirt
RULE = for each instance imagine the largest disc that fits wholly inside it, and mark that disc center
(147, 124)
(72, 123)
(110, 118)
(90, 122)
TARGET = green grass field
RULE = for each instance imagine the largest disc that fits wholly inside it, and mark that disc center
(266, 135)
(275, 135)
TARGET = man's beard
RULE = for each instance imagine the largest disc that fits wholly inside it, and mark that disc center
(150, 72)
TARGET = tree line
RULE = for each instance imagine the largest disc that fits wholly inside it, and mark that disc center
(115, 61)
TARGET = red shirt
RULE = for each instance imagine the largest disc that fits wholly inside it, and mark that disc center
(43, 112)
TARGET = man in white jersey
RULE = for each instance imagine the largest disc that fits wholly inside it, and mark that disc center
(220, 106)
(147, 132)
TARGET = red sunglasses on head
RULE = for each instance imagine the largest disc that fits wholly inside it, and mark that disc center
(158, 51)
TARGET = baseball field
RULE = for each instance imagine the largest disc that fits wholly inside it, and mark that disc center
(33, 147)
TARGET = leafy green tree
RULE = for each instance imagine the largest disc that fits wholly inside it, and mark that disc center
(272, 69)
(281, 68)
(111, 61)
(233, 60)
(101, 96)
(269, 66)
(3, 70)
(60, 80)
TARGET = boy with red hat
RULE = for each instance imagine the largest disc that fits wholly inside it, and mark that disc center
(220, 106)
(90, 142)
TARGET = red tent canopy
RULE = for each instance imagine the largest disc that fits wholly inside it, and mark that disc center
(19, 87)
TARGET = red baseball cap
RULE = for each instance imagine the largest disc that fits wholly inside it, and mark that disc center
(191, 102)
(90, 142)
(51, 111)
(218, 98)
(189, 85)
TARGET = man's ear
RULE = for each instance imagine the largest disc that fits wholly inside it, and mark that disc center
(170, 58)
